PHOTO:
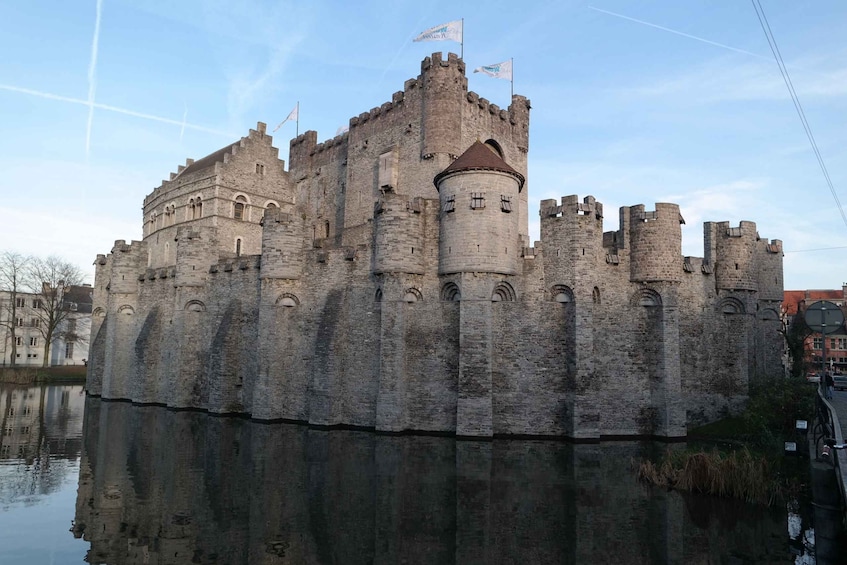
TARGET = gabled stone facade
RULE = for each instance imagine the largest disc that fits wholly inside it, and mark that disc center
(386, 280)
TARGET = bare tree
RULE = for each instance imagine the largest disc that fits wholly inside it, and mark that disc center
(795, 331)
(49, 280)
(12, 274)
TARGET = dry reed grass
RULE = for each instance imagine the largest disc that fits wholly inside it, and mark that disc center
(738, 474)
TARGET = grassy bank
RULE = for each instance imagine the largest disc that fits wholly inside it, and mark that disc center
(742, 457)
(43, 375)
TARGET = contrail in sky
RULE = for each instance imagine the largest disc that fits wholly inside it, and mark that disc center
(689, 36)
(92, 68)
(115, 109)
(184, 116)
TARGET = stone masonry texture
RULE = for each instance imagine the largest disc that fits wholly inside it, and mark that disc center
(362, 287)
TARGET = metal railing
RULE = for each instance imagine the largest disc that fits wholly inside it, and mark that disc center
(829, 442)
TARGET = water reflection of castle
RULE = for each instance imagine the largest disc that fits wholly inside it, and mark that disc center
(159, 486)
(37, 426)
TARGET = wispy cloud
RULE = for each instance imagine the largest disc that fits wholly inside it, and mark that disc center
(92, 75)
(110, 108)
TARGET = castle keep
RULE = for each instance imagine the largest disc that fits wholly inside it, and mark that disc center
(386, 280)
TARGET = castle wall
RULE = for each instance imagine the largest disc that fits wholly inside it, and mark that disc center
(423, 128)
(361, 299)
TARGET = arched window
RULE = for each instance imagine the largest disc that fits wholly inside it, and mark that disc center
(238, 247)
(191, 210)
(199, 208)
(495, 147)
(239, 208)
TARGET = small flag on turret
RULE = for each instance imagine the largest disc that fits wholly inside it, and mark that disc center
(451, 31)
(292, 115)
(497, 70)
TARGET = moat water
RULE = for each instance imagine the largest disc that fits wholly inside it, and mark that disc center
(83, 480)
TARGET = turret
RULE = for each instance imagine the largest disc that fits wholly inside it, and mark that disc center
(655, 243)
(128, 261)
(282, 244)
(398, 235)
(732, 252)
(769, 260)
(480, 227)
(572, 234)
(196, 250)
(444, 86)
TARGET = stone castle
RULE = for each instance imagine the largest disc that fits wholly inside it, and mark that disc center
(386, 280)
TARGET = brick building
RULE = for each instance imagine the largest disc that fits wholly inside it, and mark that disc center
(796, 301)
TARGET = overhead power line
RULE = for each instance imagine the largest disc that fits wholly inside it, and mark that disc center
(763, 21)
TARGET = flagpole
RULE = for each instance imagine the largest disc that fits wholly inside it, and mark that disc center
(298, 120)
(462, 42)
(513, 80)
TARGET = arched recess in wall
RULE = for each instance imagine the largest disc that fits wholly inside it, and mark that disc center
(561, 293)
(595, 295)
(412, 295)
(194, 306)
(126, 309)
(378, 295)
(769, 315)
(646, 297)
(503, 292)
(288, 300)
(450, 292)
(495, 147)
(731, 305)
(99, 312)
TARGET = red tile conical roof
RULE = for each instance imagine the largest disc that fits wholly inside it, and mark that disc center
(479, 157)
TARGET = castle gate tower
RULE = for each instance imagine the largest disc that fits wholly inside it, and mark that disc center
(479, 242)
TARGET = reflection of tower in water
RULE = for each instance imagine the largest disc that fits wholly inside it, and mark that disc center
(162, 486)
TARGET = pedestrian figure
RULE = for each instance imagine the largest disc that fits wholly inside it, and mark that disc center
(829, 384)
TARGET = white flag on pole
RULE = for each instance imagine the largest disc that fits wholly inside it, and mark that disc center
(451, 31)
(292, 115)
(498, 70)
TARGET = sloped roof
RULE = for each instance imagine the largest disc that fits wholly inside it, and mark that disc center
(479, 157)
(792, 298)
(208, 160)
(81, 296)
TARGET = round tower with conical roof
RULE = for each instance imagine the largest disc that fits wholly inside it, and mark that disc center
(480, 225)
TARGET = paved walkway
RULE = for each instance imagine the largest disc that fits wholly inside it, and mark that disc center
(839, 403)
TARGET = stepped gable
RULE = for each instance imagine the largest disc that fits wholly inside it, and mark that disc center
(209, 160)
(479, 157)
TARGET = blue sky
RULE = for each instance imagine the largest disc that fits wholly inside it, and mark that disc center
(633, 102)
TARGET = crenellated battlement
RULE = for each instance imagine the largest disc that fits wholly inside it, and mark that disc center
(244, 263)
(571, 205)
(436, 60)
(387, 281)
